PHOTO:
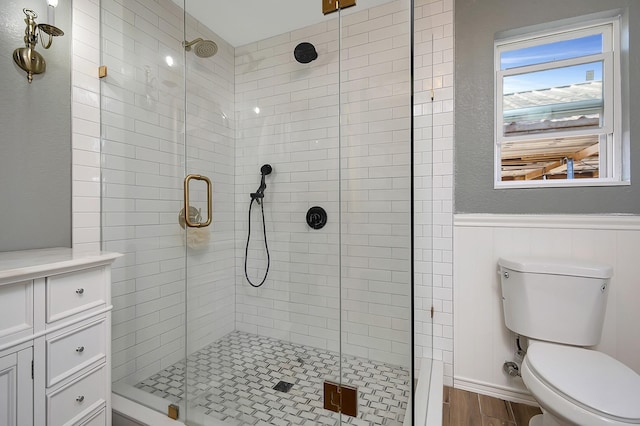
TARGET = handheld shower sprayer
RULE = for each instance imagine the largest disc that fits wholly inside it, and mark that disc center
(259, 194)
(257, 197)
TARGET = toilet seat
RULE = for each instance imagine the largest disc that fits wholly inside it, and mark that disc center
(587, 379)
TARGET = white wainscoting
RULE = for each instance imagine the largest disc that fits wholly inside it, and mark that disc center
(481, 341)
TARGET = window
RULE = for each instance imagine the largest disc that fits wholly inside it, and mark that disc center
(558, 108)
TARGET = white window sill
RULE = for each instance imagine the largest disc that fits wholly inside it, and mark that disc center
(558, 183)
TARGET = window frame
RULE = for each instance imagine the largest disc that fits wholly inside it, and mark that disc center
(611, 156)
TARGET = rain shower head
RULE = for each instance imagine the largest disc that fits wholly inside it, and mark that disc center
(202, 48)
(305, 53)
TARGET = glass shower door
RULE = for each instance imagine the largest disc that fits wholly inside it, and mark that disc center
(211, 250)
(263, 327)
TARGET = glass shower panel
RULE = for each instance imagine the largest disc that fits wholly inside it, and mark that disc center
(425, 89)
(376, 194)
(142, 134)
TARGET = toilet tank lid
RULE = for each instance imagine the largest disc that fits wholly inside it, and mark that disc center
(571, 267)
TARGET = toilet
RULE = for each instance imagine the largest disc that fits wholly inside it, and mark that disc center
(559, 307)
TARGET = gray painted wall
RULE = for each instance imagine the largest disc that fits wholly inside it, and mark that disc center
(35, 136)
(476, 23)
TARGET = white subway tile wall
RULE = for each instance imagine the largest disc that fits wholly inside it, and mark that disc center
(85, 126)
(297, 131)
(433, 139)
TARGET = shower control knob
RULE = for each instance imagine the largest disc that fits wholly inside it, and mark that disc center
(316, 217)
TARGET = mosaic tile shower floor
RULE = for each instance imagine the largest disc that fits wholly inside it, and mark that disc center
(232, 380)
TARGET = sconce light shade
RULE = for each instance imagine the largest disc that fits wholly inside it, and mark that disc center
(52, 3)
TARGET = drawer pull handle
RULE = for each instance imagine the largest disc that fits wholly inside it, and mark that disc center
(80, 398)
(80, 349)
(80, 290)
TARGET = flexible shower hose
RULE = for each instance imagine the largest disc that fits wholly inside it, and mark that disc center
(266, 246)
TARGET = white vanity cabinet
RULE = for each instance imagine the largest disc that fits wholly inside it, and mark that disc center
(55, 335)
(16, 388)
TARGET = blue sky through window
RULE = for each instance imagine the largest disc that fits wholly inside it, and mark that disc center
(550, 52)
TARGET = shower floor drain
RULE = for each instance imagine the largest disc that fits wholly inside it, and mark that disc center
(283, 386)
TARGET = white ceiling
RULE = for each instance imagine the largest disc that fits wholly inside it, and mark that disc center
(240, 22)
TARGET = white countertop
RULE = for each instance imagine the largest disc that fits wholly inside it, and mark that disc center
(31, 264)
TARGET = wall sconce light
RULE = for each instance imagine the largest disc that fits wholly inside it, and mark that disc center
(26, 57)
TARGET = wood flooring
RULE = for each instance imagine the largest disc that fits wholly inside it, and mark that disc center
(463, 408)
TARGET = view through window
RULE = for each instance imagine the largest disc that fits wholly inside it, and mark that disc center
(555, 106)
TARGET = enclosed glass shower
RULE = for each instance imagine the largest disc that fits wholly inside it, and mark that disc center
(259, 176)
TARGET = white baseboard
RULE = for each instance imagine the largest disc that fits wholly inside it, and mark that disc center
(488, 389)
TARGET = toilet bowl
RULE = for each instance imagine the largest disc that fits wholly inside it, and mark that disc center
(577, 386)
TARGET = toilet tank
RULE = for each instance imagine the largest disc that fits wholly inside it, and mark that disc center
(555, 300)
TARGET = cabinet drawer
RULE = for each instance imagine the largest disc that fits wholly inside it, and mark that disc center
(74, 350)
(97, 419)
(70, 403)
(68, 294)
(16, 310)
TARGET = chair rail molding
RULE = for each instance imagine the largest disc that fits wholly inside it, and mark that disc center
(610, 222)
